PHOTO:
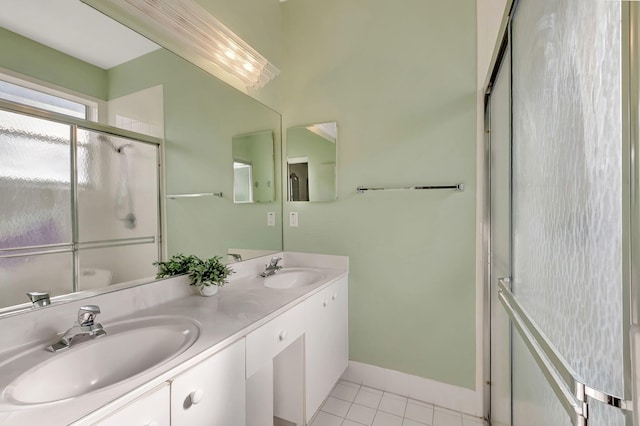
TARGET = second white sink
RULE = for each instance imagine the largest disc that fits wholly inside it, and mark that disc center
(128, 349)
(294, 277)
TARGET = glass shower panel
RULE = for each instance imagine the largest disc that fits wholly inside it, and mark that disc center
(46, 272)
(534, 402)
(567, 199)
(35, 181)
(117, 188)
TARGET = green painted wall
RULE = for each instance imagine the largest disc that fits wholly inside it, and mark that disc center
(400, 80)
(27, 57)
(201, 116)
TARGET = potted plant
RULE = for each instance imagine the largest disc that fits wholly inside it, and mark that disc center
(207, 275)
(178, 264)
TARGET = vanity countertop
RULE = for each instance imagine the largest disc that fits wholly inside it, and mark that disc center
(240, 307)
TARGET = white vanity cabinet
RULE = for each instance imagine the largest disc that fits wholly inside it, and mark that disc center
(326, 342)
(151, 409)
(211, 393)
(284, 369)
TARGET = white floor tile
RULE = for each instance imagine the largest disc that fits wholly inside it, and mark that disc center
(361, 414)
(394, 404)
(368, 397)
(351, 423)
(409, 422)
(444, 417)
(326, 419)
(336, 406)
(350, 384)
(419, 411)
(386, 419)
(420, 403)
(345, 391)
(373, 407)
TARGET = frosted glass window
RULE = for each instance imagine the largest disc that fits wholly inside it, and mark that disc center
(35, 176)
(567, 177)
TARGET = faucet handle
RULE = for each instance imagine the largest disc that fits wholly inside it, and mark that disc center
(87, 314)
(39, 298)
(275, 260)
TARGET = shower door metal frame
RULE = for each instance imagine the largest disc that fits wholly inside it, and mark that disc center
(503, 43)
(630, 63)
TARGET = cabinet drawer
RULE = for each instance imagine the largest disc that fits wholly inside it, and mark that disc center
(266, 342)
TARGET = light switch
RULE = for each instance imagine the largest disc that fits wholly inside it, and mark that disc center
(271, 219)
(293, 219)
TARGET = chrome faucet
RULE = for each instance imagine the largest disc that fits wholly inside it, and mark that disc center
(85, 326)
(272, 267)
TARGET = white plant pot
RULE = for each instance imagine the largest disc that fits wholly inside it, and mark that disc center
(208, 290)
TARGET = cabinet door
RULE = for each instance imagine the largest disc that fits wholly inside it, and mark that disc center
(151, 409)
(339, 319)
(326, 343)
(211, 393)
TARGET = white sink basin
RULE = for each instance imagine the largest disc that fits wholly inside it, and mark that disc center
(294, 277)
(128, 349)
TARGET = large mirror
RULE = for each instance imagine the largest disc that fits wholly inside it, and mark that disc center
(311, 162)
(126, 81)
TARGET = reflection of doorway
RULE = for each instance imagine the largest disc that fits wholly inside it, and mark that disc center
(298, 173)
(242, 182)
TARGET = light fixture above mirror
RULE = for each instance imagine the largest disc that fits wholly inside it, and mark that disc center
(189, 30)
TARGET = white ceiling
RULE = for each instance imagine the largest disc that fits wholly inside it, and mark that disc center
(76, 29)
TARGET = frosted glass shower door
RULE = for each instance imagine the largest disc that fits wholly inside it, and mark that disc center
(567, 199)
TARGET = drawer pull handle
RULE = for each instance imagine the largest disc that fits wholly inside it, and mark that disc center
(334, 296)
(196, 396)
(282, 335)
(324, 303)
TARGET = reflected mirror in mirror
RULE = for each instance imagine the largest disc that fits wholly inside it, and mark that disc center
(253, 168)
(133, 84)
(311, 162)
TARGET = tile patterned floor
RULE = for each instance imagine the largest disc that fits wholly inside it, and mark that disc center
(353, 405)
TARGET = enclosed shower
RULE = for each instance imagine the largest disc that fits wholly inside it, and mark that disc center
(561, 116)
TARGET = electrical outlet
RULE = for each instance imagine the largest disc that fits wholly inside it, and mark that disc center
(293, 219)
(271, 219)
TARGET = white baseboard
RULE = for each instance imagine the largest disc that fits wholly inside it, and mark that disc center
(415, 387)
